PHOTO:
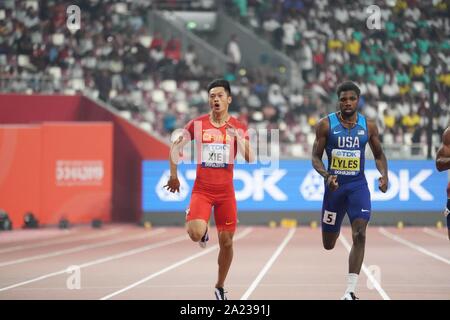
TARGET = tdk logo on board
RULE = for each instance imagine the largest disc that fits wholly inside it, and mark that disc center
(312, 187)
(258, 185)
(296, 186)
(402, 185)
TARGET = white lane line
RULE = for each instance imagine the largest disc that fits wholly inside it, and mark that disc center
(173, 266)
(434, 233)
(369, 275)
(412, 245)
(75, 249)
(102, 260)
(65, 240)
(268, 264)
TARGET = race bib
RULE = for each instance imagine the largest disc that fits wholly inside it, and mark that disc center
(215, 155)
(345, 162)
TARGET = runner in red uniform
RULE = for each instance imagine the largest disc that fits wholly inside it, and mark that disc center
(218, 137)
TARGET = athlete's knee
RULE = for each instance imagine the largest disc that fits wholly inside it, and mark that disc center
(329, 240)
(225, 242)
(195, 235)
(359, 236)
(329, 245)
(196, 229)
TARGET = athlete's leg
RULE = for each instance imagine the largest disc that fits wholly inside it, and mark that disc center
(447, 210)
(197, 215)
(447, 214)
(359, 214)
(225, 256)
(332, 214)
(356, 256)
(225, 215)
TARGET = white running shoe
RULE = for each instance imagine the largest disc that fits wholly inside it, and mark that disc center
(220, 294)
(349, 296)
(204, 240)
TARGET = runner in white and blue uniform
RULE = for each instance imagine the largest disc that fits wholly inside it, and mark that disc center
(343, 135)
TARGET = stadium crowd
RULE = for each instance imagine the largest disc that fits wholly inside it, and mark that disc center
(155, 82)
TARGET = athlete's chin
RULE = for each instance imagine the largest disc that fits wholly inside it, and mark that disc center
(348, 112)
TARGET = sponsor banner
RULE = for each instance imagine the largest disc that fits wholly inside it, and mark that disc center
(76, 171)
(56, 170)
(414, 185)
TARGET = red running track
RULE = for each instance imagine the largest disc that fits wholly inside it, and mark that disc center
(130, 262)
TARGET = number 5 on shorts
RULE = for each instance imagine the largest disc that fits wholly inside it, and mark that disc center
(329, 217)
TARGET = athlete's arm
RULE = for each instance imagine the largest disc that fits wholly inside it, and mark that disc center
(378, 154)
(443, 153)
(243, 144)
(174, 184)
(245, 150)
(318, 148)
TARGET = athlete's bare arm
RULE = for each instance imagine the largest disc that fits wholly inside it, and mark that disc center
(317, 153)
(443, 153)
(174, 184)
(378, 154)
(243, 144)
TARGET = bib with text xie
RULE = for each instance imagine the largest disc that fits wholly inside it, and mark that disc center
(215, 155)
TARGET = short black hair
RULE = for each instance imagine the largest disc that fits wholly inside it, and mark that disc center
(348, 86)
(220, 83)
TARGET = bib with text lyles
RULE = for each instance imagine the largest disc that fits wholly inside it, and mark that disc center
(345, 162)
(345, 148)
(215, 155)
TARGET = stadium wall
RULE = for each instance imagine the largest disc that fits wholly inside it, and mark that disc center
(131, 144)
(293, 189)
(56, 170)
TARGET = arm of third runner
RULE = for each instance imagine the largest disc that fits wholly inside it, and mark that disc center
(443, 153)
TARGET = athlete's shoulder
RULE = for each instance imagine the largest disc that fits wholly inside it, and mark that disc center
(237, 123)
(362, 121)
(201, 118)
(447, 132)
(446, 137)
(331, 114)
(324, 121)
(372, 127)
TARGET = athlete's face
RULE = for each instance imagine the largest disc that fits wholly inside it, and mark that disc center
(219, 99)
(348, 102)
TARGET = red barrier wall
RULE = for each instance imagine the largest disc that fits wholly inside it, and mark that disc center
(76, 171)
(20, 155)
(56, 170)
(131, 144)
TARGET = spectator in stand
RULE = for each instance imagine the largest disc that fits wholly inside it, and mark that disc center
(233, 51)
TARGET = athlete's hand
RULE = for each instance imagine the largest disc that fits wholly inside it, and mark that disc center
(232, 130)
(332, 182)
(383, 184)
(173, 185)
